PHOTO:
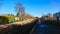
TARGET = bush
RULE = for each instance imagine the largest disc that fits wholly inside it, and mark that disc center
(3, 20)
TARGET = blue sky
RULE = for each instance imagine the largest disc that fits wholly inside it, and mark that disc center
(33, 7)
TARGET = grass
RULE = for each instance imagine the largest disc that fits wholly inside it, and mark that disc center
(11, 18)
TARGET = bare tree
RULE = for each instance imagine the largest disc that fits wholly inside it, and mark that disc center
(20, 9)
